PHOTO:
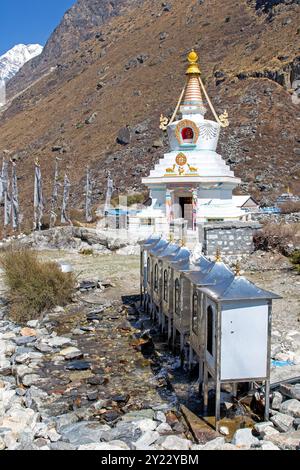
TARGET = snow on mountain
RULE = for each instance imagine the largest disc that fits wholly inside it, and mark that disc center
(15, 58)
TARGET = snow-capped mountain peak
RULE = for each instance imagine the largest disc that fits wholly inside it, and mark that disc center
(15, 58)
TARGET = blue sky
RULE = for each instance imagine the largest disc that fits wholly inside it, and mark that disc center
(29, 21)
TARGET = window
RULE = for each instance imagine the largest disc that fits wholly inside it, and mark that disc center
(210, 330)
(166, 286)
(177, 297)
(188, 135)
(195, 312)
(156, 278)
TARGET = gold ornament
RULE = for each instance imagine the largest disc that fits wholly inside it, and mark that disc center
(164, 121)
(224, 122)
(181, 159)
(218, 256)
(193, 68)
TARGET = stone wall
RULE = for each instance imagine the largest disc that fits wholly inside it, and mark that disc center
(232, 238)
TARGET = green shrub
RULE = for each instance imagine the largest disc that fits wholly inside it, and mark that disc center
(86, 252)
(34, 286)
(295, 259)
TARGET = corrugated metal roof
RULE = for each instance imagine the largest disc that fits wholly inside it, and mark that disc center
(182, 255)
(152, 241)
(239, 289)
(170, 251)
(158, 247)
(212, 274)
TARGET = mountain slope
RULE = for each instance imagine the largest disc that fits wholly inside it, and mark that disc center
(77, 25)
(12, 61)
(135, 71)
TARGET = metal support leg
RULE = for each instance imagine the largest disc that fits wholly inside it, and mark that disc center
(205, 389)
(181, 342)
(191, 358)
(218, 404)
(163, 323)
(267, 401)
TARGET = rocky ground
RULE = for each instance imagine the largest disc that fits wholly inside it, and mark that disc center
(97, 374)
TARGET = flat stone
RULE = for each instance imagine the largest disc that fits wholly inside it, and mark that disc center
(2, 444)
(174, 443)
(215, 444)
(33, 323)
(146, 425)
(276, 401)
(102, 446)
(78, 365)
(146, 440)
(71, 353)
(25, 340)
(28, 332)
(160, 416)
(244, 438)
(58, 342)
(291, 407)
(268, 431)
(31, 379)
(282, 422)
(267, 445)
(92, 396)
(53, 435)
(5, 367)
(62, 446)
(290, 391)
(83, 433)
(164, 428)
(286, 441)
(259, 427)
(22, 358)
(124, 431)
(43, 347)
(141, 414)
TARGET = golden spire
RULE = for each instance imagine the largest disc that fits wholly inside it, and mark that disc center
(193, 68)
(218, 256)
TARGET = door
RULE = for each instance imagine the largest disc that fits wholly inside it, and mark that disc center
(186, 205)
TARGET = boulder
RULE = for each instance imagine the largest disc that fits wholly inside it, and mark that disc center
(291, 408)
(244, 438)
(124, 136)
(259, 427)
(174, 443)
(267, 445)
(83, 433)
(286, 441)
(164, 428)
(5, 367)
(104, 446)
(290, 391)
(276, 400)
(282, 422)
(71, 353)
(31, 379)
(146, 425)
(150, 437)
(58, 341)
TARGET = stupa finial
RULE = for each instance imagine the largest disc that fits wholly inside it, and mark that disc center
(218, 255)
(193, 68)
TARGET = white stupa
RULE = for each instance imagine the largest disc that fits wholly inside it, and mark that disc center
(192, 181)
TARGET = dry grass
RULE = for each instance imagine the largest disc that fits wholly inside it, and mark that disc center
(281, 237)
(34, 286)
(290, 207)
